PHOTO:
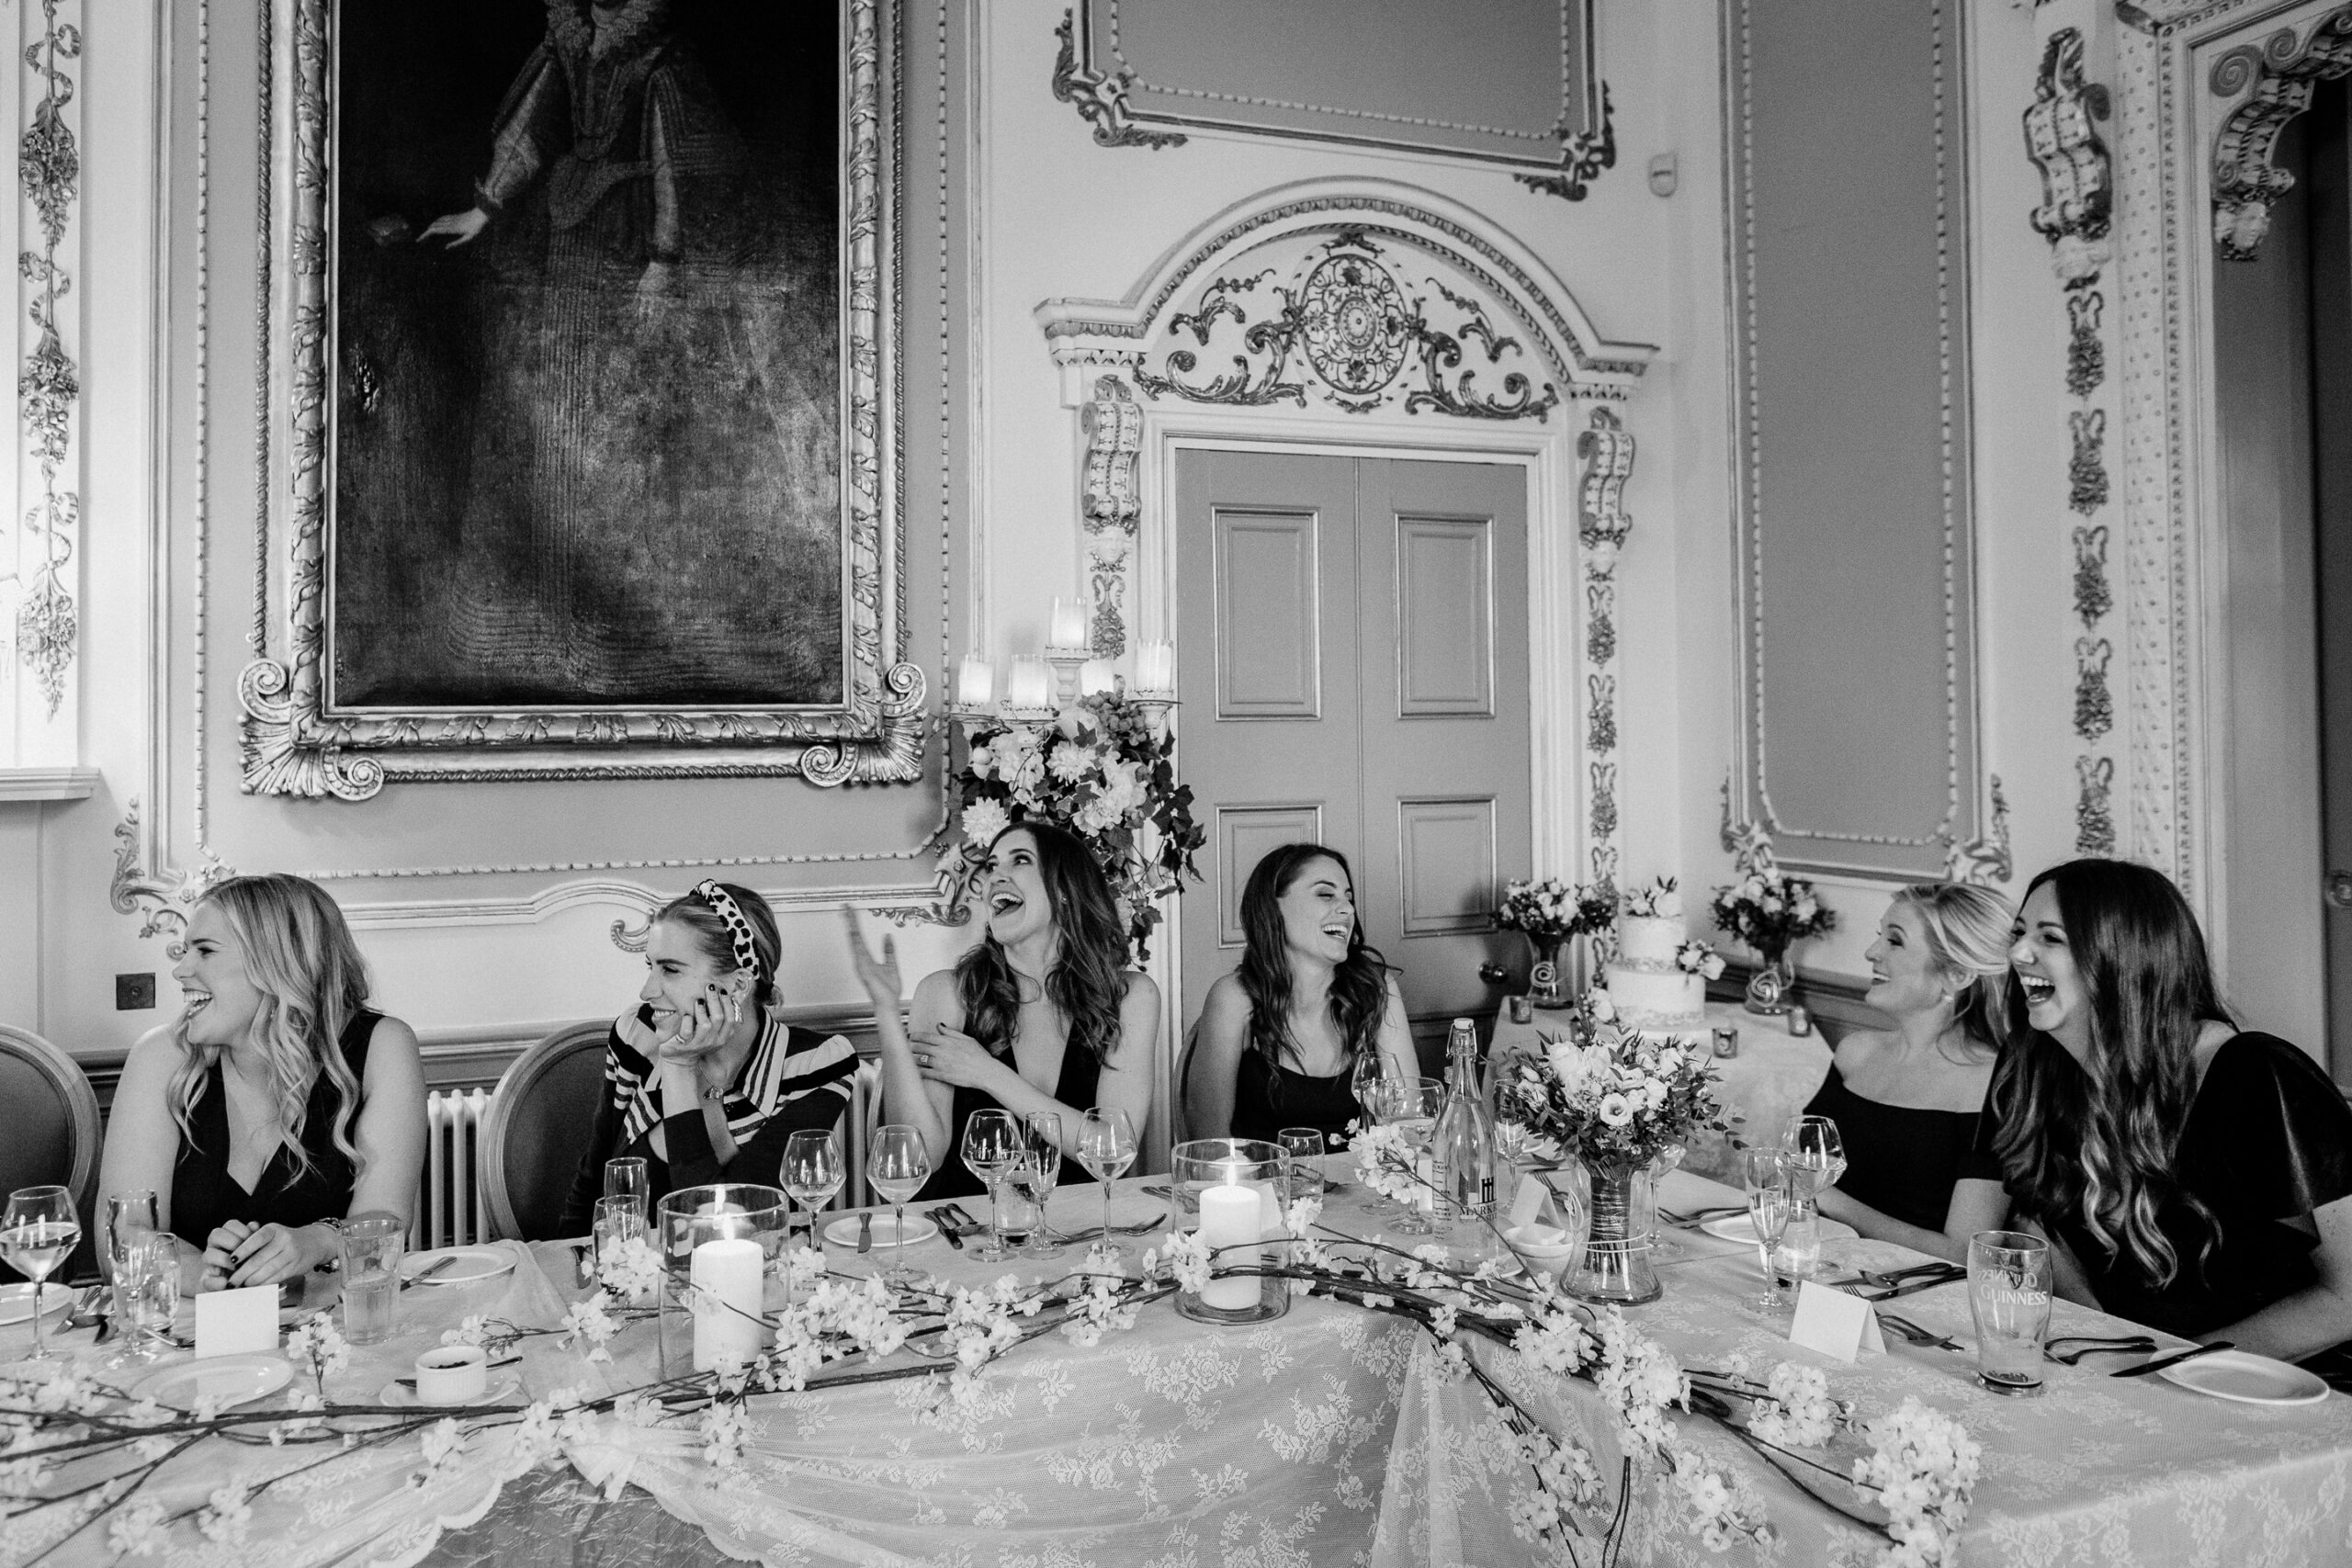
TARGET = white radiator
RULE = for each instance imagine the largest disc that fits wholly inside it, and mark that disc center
(449, 1211)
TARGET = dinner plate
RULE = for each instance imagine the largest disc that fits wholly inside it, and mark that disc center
(501, 1386)
(469, 1265)
(2247, 1377)
(17, 1302)
(1739, 1227)
(226, 1381)
(843, 1233)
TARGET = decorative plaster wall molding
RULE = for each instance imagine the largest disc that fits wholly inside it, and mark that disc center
(49, 385)
(1603, 524)
(2277, 77)
(1100, 96)
(1113, 425)
(160, 898)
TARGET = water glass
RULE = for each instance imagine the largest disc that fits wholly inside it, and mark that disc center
(2008, 1295)
(629, 1177)
(129, 1216)
(1411, 1105)
(372, 1245)
(147, 1292)
(1303, 1172)
(1039, 1174)
(993, 1143)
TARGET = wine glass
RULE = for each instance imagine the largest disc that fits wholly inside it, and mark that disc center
(1411, 1106)
(1106, 1146)
(149, 1277)
(993, 1142)
(130, 1217)
(1771, 1200)
(812, 1171)
(38, 1232)
(1303, 1168)
(1039, 1175)
(1371, 1073)
(896, 1167)
(1817, 1155)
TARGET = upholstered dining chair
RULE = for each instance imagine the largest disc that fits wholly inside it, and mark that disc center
(53, 1130)
(539, 1115)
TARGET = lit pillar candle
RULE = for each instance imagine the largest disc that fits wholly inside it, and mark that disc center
(1032, 685)
(1156, 667)
(731, 1271)
(1231, 1216)
(974, 682)
(1067, 628)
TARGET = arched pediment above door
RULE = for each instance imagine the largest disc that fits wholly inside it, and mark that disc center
(1362, 296)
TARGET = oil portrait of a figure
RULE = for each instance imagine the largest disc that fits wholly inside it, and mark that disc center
(587, 354)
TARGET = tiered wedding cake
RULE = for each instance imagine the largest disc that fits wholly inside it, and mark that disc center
(1657, 981)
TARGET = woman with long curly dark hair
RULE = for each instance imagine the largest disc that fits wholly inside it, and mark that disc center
(2191, 1175)
(1279, 1035)
(1042, 1014)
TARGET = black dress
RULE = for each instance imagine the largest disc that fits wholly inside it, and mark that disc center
(1074, 1087)
(205, 1196)
(2268, 1140)
(794, 1079)
(1900, 1159)
(1268, 1098)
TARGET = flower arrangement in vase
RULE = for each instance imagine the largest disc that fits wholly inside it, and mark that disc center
(1549, 913)
(1100, 768)
(1770, 911)
(1616, 1098)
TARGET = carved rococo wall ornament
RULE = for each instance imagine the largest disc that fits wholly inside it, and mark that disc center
(49, 386)
(293, 744)
(1606, 447)
(2281, 72)
(1112, 424)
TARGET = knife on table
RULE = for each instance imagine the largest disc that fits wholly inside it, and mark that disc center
(939, 1218)
(865, 1231)
(2176, 1358)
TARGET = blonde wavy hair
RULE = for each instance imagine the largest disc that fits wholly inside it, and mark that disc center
(1967, 929)
(301, 956)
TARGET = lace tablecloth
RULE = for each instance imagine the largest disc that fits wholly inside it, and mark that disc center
(1331, 1435)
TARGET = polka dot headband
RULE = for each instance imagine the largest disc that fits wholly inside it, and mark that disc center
(738, 930)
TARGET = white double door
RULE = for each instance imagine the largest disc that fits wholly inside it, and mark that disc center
(1352, 634)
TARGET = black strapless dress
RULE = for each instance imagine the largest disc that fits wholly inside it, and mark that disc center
(1269, 1097)
(1074, 1087)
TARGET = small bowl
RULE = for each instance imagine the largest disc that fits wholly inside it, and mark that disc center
(452, 1374)
(1543, 1248)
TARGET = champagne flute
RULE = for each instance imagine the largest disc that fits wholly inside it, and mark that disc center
(1106, 1146)
(993, 1144)
(130, 1216)
(1771, 1200)
(896, 1167)
(1040, 1173)
(38, 1232)
(812, 1171)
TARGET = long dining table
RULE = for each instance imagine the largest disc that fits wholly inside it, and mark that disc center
(1330, 1435)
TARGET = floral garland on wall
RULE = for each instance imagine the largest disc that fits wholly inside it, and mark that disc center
(1101, 768)
(79, 1454)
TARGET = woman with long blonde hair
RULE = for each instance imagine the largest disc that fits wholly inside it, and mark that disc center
(278, 1104)
(2189, 1174)
(1907, 1100)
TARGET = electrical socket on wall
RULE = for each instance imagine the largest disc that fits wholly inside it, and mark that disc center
(134, 993)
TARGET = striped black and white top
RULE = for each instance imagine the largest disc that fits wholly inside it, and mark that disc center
(793, 1080)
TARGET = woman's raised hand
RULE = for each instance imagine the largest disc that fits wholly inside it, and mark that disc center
(878, 976)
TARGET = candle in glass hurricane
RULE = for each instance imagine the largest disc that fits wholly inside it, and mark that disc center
(974, 682)
(1067, 628)
(1155, 668)
(1031, 689)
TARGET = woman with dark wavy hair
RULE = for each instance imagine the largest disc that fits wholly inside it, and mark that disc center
(1042, 1014)
(2191, 1175)
(1279, 1035)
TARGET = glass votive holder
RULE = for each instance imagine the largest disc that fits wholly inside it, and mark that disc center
(1523, 1008)
(1727, 1040)
(1230, 1190)
(718, 1244)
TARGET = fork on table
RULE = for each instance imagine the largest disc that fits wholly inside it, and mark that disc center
(2093, 1345)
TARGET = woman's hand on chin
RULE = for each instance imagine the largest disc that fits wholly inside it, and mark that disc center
(701, 1028)
(950, 1056)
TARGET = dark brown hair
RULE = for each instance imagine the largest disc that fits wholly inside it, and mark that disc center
(1088, 981)
(1359, 994)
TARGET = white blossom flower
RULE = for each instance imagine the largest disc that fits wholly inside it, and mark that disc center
(441, 1444)
(138, 1532)
(628, 1268)
(1798, 1413)
(984, 820)
(591, 1325)
(226, 1514)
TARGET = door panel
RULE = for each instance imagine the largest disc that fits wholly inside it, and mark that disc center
(1269, 661)
(1352, 635)
(1446, 644)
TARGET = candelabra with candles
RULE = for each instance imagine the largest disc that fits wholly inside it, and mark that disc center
(1037, 688)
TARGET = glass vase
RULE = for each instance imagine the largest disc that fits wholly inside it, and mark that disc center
(1769, 987)
(720, 1246)
(1615, 1267)
(1547, 982)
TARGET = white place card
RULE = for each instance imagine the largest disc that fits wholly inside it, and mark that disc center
(237, 1322)
(1533, 1203)
(1833, 1323)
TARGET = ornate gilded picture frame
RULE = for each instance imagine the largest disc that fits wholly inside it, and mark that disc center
(580, 451)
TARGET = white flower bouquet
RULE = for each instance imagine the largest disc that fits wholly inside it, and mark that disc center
(1554, 910)
(1099, 771)
(1610, 1096)
(1700, 958)
(1768, 909)
(1662, 900)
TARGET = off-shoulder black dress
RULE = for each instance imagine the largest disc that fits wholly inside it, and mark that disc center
(1900, 1159)
(2268, 1142)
